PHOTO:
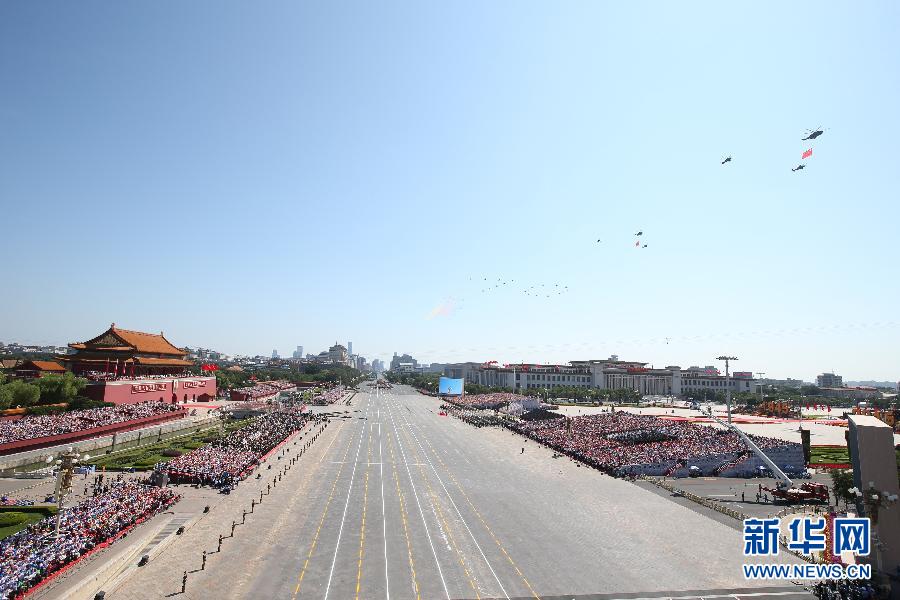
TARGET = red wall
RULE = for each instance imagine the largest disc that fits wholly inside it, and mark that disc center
(129, 391)
(84, 434)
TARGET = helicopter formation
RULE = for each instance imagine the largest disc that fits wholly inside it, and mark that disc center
(547, 290)
(811, 134)
(637, 241)
(537, 290)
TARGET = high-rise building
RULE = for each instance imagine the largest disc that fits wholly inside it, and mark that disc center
(829, 380)
(274, 353)
(298, 353)
(349, 347)
(405, 362)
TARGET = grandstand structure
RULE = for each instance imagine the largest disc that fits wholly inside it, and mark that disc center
(621, 443)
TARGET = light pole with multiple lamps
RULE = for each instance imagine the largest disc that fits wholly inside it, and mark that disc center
(760, 387)
(727, 383)
(66, 463)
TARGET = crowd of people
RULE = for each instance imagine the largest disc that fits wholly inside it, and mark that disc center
(226, 460)
(620, 443)
(541, 414)
(844, 589)
(475, 416)
(329, 396)
(109, 376)
(38, 426)
(488, 401)
(7, 501)
(260, 390)
(29, 556)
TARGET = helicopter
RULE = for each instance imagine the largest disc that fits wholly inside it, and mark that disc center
(726, 159)
(799, 167)
(811, 135)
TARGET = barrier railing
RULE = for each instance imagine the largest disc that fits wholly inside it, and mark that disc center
(706, 502)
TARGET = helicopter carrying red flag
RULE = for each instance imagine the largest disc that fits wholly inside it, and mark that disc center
(807, 154)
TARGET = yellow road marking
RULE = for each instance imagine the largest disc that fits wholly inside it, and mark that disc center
(480, 518)
(315, 541)
(440, 512)
(362, 527)
(412, 563)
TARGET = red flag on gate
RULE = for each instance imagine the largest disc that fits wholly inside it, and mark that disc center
(807, 154)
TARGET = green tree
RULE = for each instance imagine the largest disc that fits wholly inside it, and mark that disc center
(57, 389)
(19, 393)
(841, 482)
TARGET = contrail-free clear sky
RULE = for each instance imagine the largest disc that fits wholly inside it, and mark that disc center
(246, 177)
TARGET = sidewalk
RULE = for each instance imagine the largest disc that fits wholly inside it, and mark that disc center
(162, 576)
(113, 566)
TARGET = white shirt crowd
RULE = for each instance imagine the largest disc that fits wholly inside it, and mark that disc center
(30, 555)
(227, 459)
(38, 426)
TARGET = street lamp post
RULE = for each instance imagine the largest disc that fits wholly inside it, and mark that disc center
(727, 359)
(64, 480)
(760, 386)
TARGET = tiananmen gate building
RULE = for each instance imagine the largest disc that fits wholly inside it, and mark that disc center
(124, 366)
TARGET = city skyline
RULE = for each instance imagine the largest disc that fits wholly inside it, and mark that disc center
(518, 145)
(429, 357)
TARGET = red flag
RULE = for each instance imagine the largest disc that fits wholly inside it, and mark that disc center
(807, 154)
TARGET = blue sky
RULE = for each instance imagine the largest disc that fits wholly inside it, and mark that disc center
(257, 176)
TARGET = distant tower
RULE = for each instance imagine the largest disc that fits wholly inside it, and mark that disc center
(274, 353)
(350, 348)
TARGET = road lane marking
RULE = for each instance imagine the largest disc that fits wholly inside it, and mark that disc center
(461, 518)
(322, 520)
(387, 579)
(362, 527)
(436, 508)
(412, 564)
(346, 506)
(329, 445)
(480, 518)
(419, 504)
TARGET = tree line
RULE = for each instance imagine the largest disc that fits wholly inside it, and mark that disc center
(304, 373)
(47, 394)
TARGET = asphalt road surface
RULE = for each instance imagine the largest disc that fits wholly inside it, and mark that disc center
(398, 502)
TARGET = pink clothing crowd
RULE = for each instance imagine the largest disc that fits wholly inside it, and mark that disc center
(620, 442)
